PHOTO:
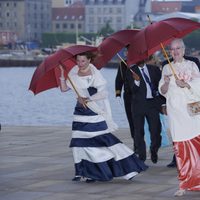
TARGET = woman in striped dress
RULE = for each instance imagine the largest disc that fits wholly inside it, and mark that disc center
(98, 154)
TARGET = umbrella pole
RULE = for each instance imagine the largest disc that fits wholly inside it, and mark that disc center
(170, 64)
(124, 62)
(73, 85)
(84, 104)
(121, 59)
(165, 54)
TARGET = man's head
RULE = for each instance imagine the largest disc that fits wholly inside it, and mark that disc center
(140, 63)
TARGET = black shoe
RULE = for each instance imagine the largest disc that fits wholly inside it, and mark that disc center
(88, 180)
(77, 178)
(171, 164)
(154, 157)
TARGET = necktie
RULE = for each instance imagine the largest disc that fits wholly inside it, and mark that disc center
(148, 81)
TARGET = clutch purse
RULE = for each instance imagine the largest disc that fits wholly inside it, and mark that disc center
(193, 108)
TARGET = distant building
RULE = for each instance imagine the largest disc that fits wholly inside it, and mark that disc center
(63, 3)
(158, 7)
(190, 6)
(192, 16)
(118, 13)
(7, 37)
(69, 19)
(28, 19)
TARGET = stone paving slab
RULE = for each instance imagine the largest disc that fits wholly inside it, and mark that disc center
(36, 164)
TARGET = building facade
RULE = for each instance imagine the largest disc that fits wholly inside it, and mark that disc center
(28, 19)
(118, 13)
(68, 19)
(63, 3)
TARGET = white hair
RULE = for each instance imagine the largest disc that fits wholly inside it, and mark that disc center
(178, 40)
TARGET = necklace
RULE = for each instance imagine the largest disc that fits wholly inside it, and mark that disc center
(89, 78)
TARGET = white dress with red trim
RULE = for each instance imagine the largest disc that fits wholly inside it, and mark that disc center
(185, 129)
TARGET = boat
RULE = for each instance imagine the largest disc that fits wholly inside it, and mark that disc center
(19, 58)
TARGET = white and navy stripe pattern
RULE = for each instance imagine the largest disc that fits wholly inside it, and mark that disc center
(98, 154)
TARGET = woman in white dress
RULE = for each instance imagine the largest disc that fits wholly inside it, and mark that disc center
(184, 128)
(98, 154)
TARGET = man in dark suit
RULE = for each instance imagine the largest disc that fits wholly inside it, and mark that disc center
(172, 164)
(121, 84)
(146, 103)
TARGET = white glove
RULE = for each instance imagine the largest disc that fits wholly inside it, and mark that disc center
(119, 100)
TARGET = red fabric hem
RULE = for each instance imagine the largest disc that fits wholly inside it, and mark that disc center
(188, 163)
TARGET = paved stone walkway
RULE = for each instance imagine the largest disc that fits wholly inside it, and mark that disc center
(36, 164)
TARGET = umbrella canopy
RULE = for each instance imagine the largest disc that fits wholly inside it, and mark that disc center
(112, 45)
(46, 75)
(149, 40)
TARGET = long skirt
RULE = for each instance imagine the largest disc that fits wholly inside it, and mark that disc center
(188, 163)
(97, 153)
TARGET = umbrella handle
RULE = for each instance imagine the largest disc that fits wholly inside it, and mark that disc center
(165, 54)
(84, 105)
(124, 62)
(170, 64)
(122, 59)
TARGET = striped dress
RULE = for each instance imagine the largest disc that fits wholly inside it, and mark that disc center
(98, 154)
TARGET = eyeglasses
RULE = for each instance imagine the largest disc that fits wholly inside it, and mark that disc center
(177, 48)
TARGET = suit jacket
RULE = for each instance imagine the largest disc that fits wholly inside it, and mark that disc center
(121, 80)
(139, 92)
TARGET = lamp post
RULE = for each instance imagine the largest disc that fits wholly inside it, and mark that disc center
(76, 27)
(132, 21)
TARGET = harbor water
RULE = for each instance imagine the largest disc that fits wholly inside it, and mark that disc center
(19, 106)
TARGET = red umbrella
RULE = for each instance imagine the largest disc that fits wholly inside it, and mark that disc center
(149, 40)
(112, 45)
(46, 75)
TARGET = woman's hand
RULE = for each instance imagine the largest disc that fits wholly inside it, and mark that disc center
(83, 101)
(61, 70)
(182, 84)
(167, 78)
(165, 86)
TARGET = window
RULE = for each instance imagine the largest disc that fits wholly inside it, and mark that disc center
(91, 20)
(99, 20)
(91, 10)
(57, 26)
(64, 25)
(119, 19)
(79, 26)
(119, 10)
(72, 26)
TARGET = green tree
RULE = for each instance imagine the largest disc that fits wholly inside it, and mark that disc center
(106, 30)
(192, 40)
